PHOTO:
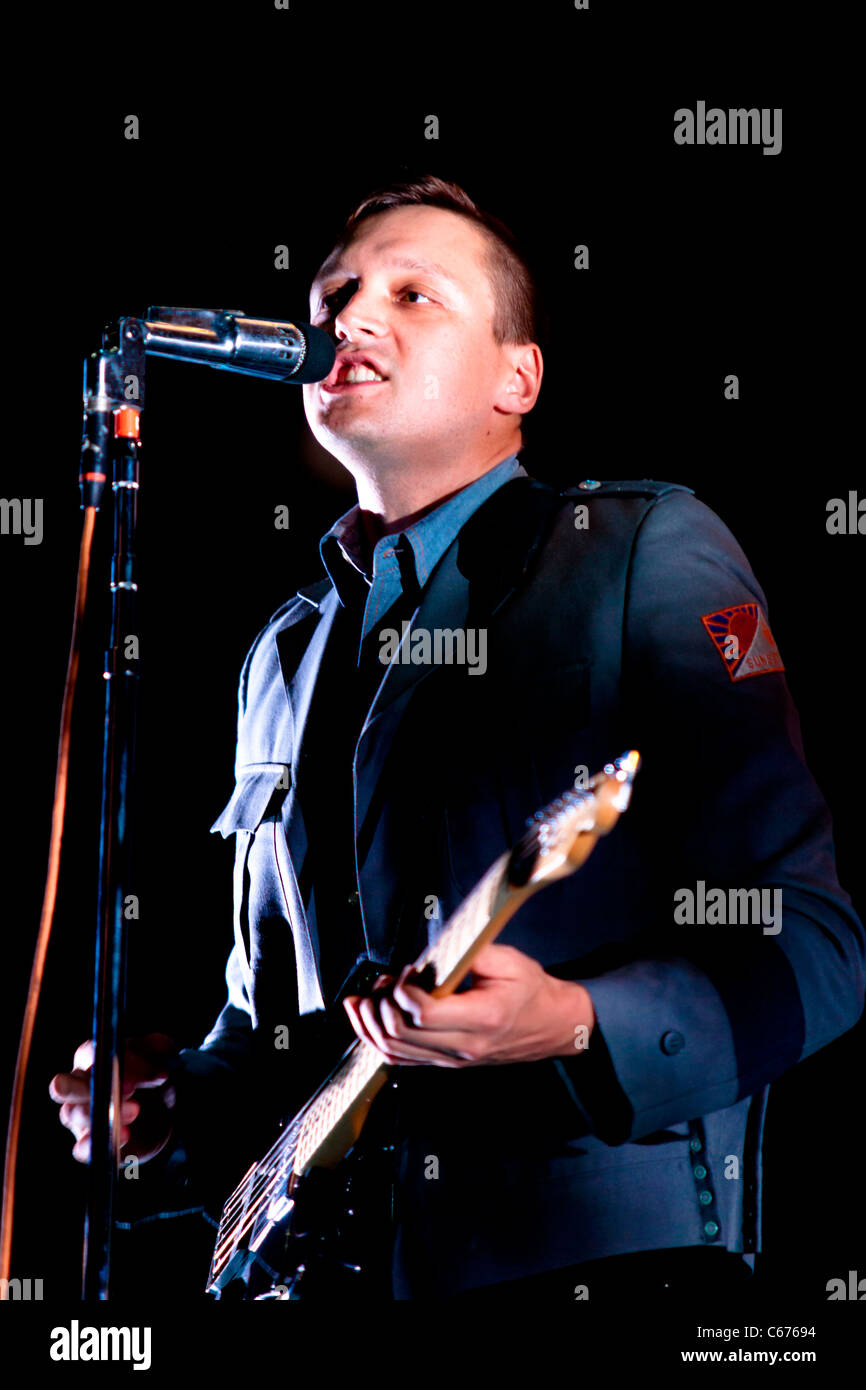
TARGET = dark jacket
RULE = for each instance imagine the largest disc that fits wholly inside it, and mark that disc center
(597, 642)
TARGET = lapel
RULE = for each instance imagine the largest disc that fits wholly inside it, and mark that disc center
(478, 573)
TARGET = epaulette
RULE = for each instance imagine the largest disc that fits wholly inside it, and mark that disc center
(632, 487)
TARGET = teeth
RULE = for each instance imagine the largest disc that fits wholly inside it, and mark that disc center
(360, 373)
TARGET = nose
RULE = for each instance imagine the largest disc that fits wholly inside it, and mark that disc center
(360, 314)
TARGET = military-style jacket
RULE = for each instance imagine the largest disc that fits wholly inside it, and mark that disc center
(620, 615)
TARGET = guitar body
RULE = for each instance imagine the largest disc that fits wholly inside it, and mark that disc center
(334, 1241)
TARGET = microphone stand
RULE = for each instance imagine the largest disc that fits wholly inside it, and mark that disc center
(113, 402)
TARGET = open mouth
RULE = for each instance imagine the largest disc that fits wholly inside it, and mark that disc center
(354, 376)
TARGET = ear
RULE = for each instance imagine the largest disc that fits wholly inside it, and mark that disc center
(523, 368)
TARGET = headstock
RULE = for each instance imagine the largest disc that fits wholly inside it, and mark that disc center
(561, 835)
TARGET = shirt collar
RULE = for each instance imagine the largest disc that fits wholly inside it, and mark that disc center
(424, 541)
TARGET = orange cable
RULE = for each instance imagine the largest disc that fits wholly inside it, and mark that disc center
(48, 902)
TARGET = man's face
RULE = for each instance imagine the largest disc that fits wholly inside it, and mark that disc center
(411, 292)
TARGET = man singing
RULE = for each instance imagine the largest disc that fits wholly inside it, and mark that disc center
(589, 1112)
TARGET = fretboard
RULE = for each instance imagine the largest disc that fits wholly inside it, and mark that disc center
(449, 958)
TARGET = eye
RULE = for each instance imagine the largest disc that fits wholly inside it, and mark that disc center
(326, 300)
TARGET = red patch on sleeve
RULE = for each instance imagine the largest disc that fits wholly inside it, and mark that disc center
(742, 637)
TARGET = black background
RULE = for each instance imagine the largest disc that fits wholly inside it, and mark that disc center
(703, 262)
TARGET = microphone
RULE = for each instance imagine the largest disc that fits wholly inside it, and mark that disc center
(227, 339)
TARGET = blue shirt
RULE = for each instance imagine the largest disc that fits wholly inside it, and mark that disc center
(413, 552)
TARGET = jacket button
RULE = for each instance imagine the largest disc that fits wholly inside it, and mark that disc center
(695, 1145)
(700, 1172)
(705, 1197)
(672, 1043)
(711, 1228)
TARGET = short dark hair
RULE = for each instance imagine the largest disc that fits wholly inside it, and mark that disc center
(519, 315)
